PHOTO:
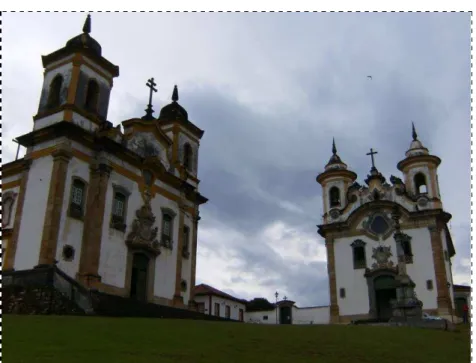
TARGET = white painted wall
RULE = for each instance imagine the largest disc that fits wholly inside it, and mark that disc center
(356, 300)
(311, 315)
(113, 255)
(71, 229)
(261, 317)
(34, 208)
(48, 120)
(83, 122)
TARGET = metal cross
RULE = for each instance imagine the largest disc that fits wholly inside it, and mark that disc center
(151, 84)
(372, 153)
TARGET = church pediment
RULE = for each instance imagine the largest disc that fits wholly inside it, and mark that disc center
(148, 142)
(139, 126)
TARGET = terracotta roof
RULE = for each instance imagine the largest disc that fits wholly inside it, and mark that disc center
(204, 289)
(461, 288)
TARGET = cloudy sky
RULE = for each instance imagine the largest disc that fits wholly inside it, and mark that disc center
(270, 91)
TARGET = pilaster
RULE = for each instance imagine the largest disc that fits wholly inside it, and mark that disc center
(334, 308)
(93, 224)
(178, 298)
(49, 241)
(443, 295)
(9, 260)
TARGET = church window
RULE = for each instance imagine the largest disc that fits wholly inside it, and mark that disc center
(342, 293)
(420, 183)
(54, 94)
(265, 317)
(217, 309)
(119, 208)
(429, 284)
(358, 251)
(379, 225)
(167, 227)
(186, 242)
(334, 197)
(78, 195)
(92, 96)
(187, 156)
(183, 285)
(7, 208)
(407, 251)
(227, 312)
(68, 253)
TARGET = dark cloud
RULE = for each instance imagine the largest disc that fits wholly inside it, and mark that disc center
(270, 91)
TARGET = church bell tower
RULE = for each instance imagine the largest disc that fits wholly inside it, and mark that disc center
(419, 170)
(335, 181)
(77, 83)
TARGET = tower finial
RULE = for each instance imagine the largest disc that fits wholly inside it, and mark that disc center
(334, 149)
(87, 25)
(414, 134)
(175, 94)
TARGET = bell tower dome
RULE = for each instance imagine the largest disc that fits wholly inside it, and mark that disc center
(419, 169)
(77, 83)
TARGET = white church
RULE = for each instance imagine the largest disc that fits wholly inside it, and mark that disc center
(115, 210)
(118, 209)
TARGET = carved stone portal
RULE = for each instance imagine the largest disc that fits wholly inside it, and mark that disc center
(143, 235)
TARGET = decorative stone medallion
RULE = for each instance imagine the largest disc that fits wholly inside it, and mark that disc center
(334, 213)
(381, 255)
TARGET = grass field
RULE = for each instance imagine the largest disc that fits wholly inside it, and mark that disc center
(54, 339)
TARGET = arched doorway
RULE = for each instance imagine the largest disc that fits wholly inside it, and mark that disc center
(285, 315)
(384, 292)
(140, 267)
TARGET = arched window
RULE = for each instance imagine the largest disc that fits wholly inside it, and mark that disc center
(358, 253)
(54, 94)
(7, 208)
(420, 183)
(78, 196)
(334, 197)
(187, 157)
(92, 96)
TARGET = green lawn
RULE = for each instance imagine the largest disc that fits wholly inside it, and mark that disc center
(110, 340)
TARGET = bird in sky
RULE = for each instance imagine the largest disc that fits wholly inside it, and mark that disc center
(369, 77)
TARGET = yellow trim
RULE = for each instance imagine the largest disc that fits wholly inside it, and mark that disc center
(12, 184)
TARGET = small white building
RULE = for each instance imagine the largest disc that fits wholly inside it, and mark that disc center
(286, 312)
(212, 301)
(116, 208)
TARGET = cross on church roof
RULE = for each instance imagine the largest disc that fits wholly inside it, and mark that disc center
(372, 153)
(149, 111)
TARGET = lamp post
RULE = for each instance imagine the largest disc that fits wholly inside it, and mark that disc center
(276, 308)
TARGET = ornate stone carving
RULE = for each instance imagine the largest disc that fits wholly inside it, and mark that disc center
(143, 235)
(381, 255)
(334, 213)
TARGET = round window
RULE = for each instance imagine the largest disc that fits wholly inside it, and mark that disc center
(379, 225)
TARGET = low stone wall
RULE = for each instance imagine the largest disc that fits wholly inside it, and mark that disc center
(36, 301)
(117, 306)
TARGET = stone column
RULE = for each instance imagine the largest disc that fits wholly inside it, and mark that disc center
(443, 298)
(9, 260)
(194, 256)
(54, 208)
(178, 298)
(331, 270)
(93, 224)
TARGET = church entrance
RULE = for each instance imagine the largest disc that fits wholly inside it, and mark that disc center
(285, 315)
(140, 266)
(384, 292)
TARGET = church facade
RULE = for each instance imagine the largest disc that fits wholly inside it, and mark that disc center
(359, 236)
(116, 209)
